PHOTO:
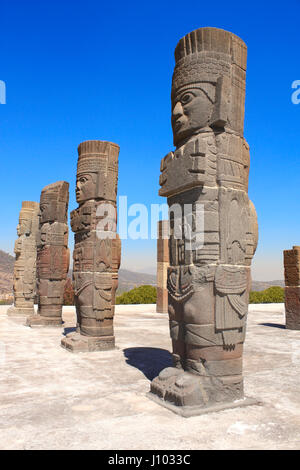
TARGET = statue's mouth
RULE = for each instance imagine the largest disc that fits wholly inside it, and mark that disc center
(177, 125)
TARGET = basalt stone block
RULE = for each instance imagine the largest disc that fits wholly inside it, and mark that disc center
(25, 263)
(53, 256)
(77, 342)
(292, 266)
(162, 251)
(97, 251)
(162, 300)
(291, 260)
(162, 266)
(292, 307)
(205, 180)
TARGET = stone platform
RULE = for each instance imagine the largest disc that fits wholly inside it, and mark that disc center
(51, 399)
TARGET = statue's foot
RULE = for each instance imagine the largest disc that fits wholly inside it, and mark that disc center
(166, 379)
(189, 394)
(75, 342)
(187, 390)
(39, 320)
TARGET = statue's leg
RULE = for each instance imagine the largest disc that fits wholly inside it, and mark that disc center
(175, 310)
(166, 379)
(213, 371)
(198, 323)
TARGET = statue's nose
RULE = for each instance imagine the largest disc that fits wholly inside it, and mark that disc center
(177, 111)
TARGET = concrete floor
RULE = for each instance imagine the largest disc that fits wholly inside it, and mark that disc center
(53, 399)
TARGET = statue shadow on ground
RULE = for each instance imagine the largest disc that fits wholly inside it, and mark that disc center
(273, 325)
(151, 361)
(69, 329)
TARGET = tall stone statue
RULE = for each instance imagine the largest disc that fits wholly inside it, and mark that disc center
(25, 264)
(206, 182)
(97, 251)
(53, 255)
(162, 266)
(292, 287)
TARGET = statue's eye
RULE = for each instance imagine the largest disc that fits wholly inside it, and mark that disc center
(82, 180)
(186, 98)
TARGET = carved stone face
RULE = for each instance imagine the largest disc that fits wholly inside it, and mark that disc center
(86, 187)
(23, 227)
(46, 210)
(191, 111)
(19, 230)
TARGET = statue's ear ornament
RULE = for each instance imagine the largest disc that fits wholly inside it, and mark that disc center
(223, 96)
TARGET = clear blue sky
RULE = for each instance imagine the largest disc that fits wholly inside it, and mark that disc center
(102, 70)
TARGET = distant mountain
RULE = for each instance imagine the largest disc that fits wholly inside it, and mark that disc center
(262, 285)
(148, 270)
(130, 279)
(127, 279)
(6, 272)
(6, 262)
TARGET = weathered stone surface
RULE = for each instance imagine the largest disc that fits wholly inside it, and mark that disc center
(292, 287)
(162, 266)
(292, 266)
(53, 255)
(97, 251)
(25, 263)
(206, 182)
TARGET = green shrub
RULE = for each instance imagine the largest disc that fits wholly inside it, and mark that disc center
(274, 294)
(138, 295)
(255, 297)
(6, 302)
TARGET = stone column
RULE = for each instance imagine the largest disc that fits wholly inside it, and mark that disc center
(53, 255)
(205, 181)
(97, 249)
(292, 287)
(25, 264)
(162, 266)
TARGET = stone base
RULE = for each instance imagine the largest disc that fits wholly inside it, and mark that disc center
(189, 411)
(14, 311)
(38, 320)
(75, 342)
(189, 394)
(292, 308)
(292, 326)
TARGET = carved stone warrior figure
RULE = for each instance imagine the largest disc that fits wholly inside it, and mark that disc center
(162, 266)
(25, 264)
(292, 288)
(97, 250)
(208, 282)
(53, 255)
